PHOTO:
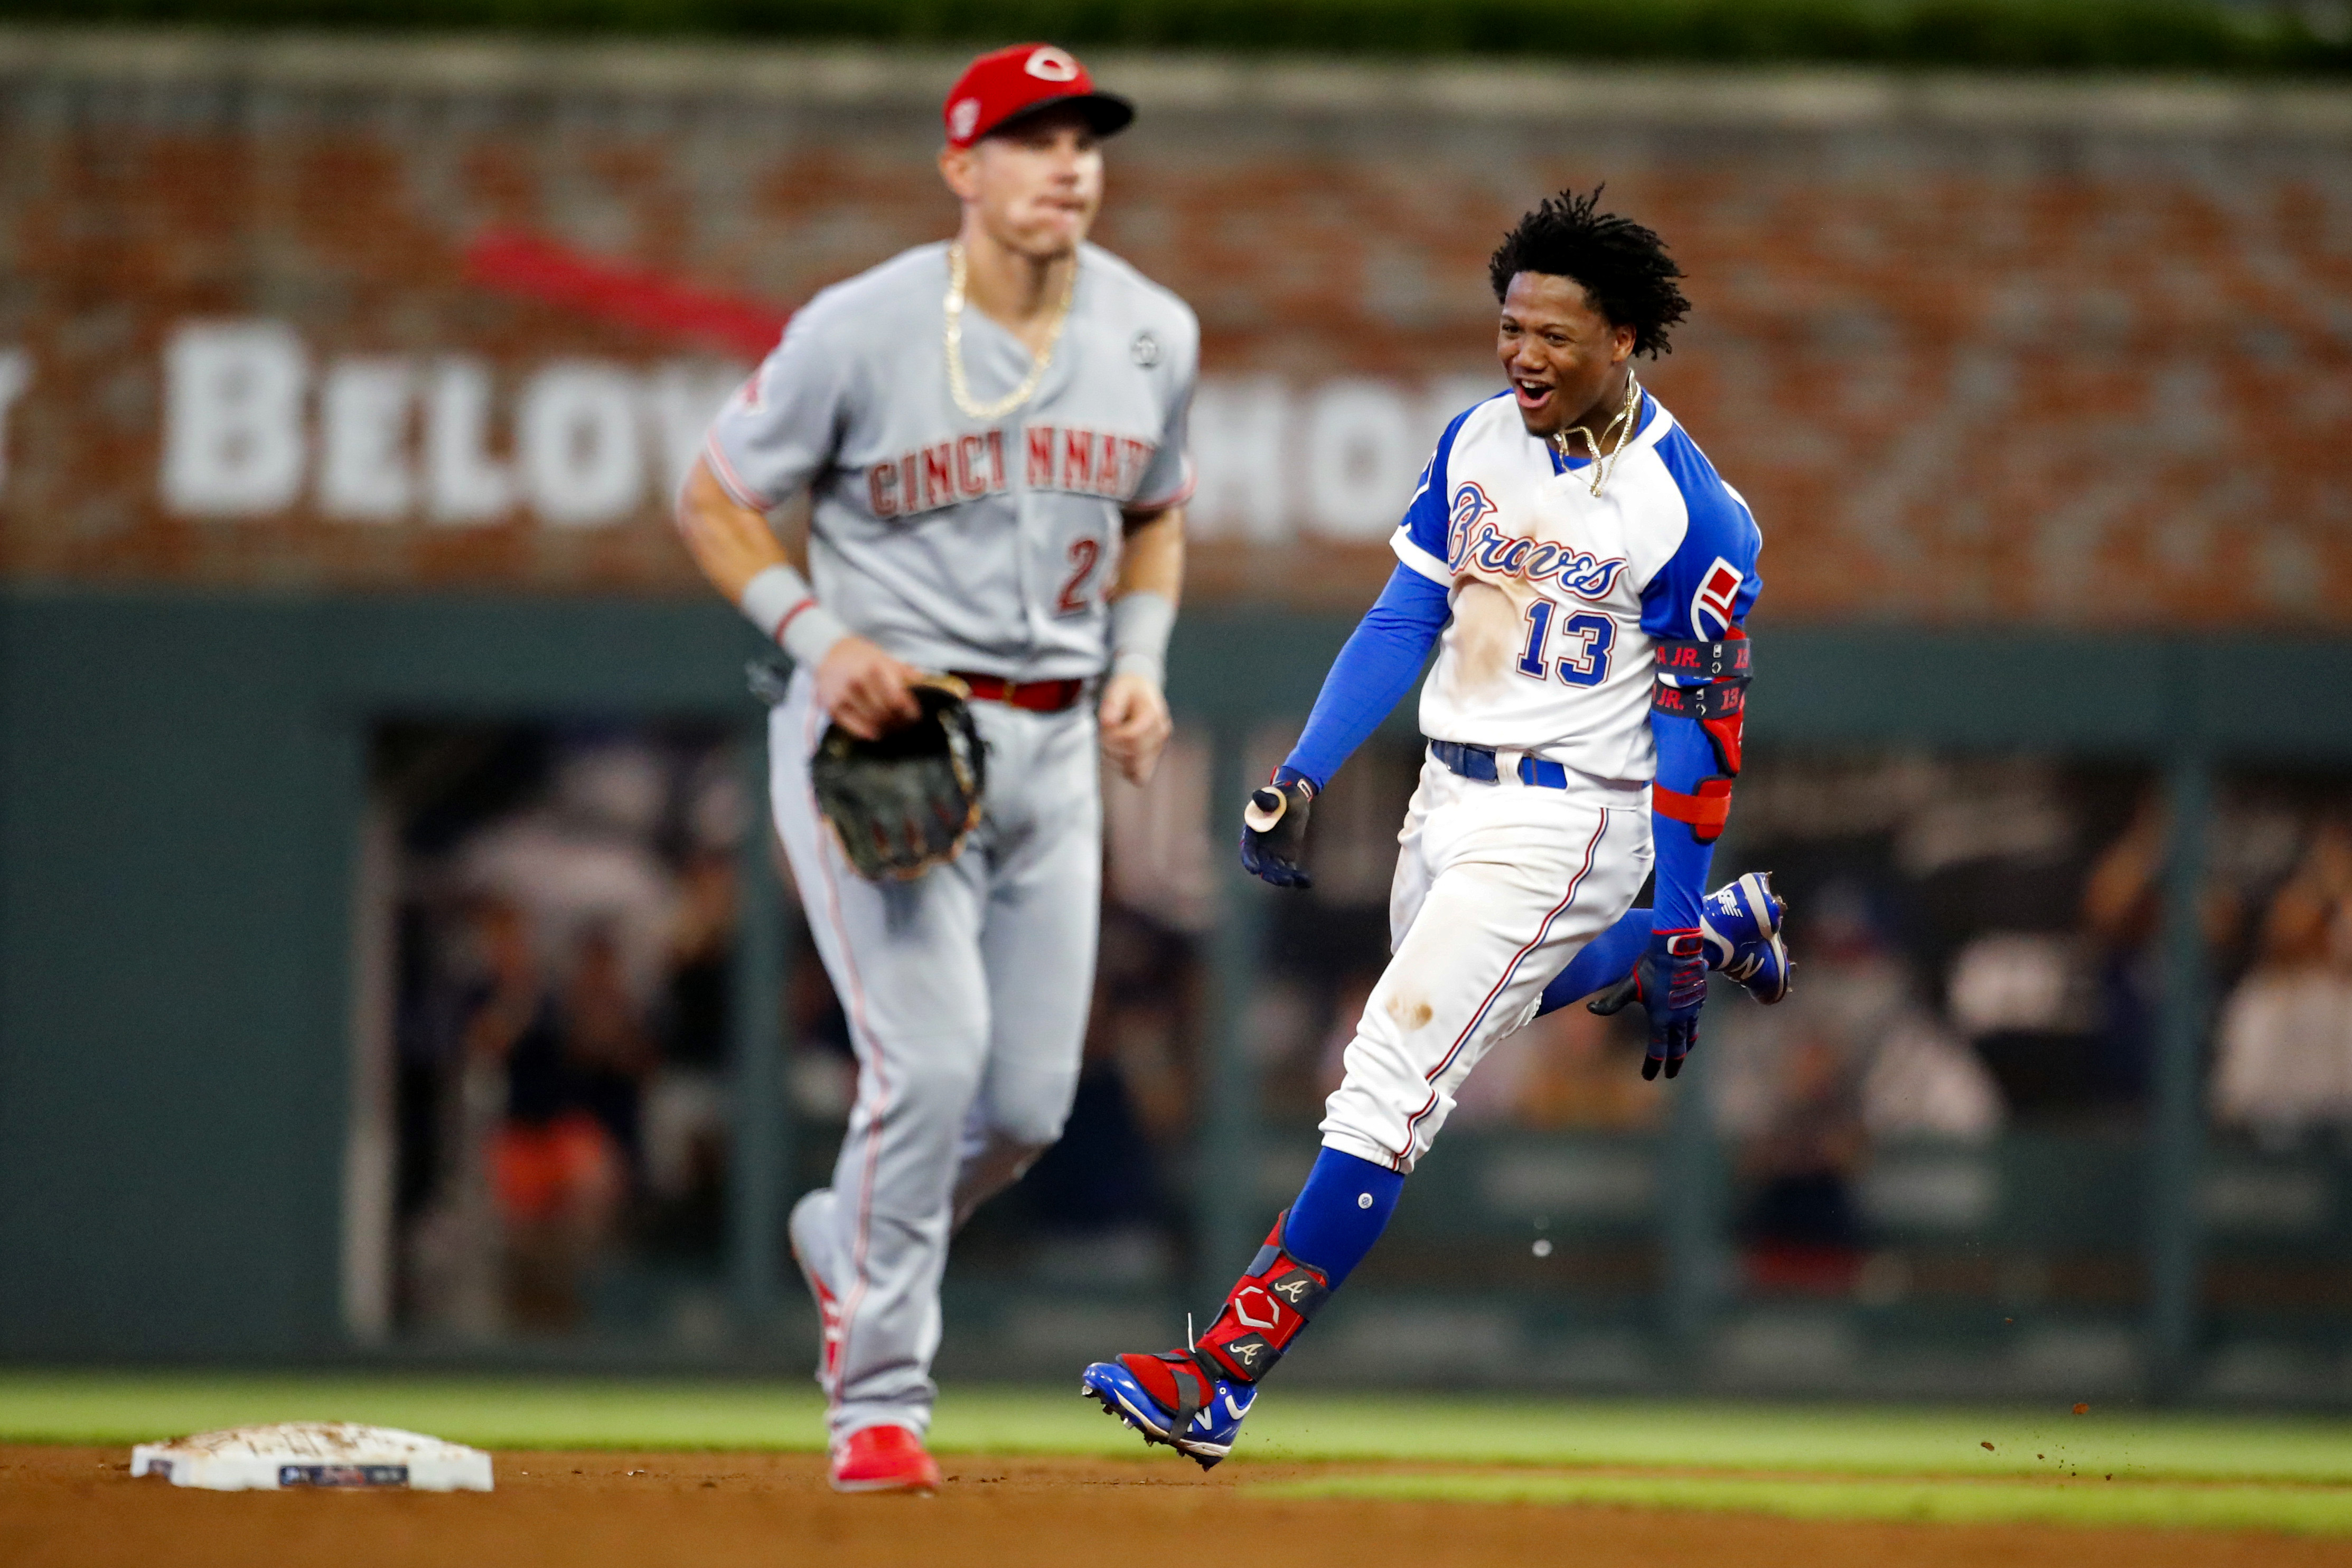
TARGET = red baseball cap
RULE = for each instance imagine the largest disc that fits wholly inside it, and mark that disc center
(1003, 86)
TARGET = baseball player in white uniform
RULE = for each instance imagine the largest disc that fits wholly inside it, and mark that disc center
(993, 432)
(1584, 574)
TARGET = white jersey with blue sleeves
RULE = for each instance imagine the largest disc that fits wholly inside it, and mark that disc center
(1558, 595)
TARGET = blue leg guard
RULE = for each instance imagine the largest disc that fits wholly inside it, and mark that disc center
(1339, 1213)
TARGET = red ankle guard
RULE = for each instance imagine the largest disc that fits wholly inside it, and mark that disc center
(1265, 1311)
(1262, 1314)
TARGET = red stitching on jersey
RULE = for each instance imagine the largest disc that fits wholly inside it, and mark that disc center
(731, 482)
(1182, 493)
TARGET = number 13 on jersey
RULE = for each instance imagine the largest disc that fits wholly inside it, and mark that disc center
(1585, 639)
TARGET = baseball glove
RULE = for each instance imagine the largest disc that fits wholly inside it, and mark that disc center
(904, 803)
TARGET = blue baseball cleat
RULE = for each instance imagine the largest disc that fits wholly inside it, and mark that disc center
(1205, 1434)
(1741, 923)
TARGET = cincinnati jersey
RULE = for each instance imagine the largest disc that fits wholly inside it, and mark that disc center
(1558, 595)
(957, 543)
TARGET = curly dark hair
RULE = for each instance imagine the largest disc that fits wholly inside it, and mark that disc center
(1624, 268)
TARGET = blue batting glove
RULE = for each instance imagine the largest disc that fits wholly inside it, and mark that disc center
(1670, 982)
(1274, 831)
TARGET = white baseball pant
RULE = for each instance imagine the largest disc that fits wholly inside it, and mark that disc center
(1497, 885)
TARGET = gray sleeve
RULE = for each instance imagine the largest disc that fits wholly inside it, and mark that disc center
(1169, 481)
(782, 425)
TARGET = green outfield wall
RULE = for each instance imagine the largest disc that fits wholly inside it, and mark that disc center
(183, 778)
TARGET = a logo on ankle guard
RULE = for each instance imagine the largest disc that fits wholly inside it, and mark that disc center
(1251, 1352)
(1242, 1311)
(1294, 1288)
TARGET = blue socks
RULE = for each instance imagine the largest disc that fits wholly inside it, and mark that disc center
(1339, 1213)
(1605, 960)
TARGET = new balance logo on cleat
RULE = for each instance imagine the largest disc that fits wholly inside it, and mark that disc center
(1742, 930)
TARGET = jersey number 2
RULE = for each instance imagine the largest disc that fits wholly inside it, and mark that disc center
(1587, 638)
(1083, 554)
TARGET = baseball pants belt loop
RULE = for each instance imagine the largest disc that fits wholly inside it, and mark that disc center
(1033, 696)
(1483, 765)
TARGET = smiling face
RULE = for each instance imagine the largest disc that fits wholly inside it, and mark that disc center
(1036, 186)
(1564, 359)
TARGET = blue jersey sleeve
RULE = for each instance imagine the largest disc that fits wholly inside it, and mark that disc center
(1704, 589)
(1380, 663)
(1708, 583)
(1423, 540)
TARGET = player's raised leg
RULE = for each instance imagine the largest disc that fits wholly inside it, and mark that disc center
(1741, 922)
(1495, 884)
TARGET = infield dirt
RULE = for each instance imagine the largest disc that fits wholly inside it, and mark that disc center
(79, 1507)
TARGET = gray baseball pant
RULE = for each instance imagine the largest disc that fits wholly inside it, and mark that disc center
(966, 991)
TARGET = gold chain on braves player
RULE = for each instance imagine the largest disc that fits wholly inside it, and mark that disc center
(1583, 719)
(993, 434)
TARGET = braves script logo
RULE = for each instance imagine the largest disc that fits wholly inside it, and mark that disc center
(1470, 504)
(1480, 546)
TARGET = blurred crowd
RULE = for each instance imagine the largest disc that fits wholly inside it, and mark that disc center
(1979, 945)
(568, 925)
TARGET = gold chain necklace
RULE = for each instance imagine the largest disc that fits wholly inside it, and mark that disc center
(954, 334)
(1602, 467)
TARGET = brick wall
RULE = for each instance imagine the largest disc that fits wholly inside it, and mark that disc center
(1975, 351)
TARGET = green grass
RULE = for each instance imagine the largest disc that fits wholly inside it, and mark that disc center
(2308, 1511)
(1797, 1461)
(502, 1413)
(1885, 1440)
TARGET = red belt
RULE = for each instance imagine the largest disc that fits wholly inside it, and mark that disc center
(1037, 696)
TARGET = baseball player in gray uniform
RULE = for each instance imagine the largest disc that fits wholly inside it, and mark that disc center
(993, 432)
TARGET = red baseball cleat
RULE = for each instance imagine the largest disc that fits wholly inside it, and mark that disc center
(883, 1459)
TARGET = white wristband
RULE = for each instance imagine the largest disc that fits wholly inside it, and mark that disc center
(1141, 626)
(779, 602)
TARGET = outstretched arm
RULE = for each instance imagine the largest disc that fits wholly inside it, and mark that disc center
(1380, 662)
(1382, 659)
(1377, 666)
